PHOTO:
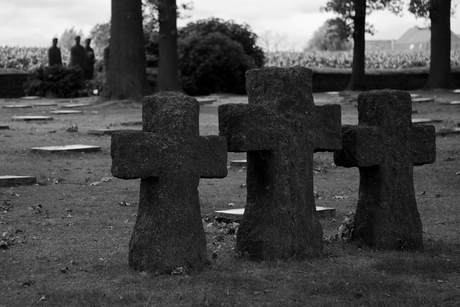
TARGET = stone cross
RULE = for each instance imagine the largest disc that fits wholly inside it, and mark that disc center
(280, 129)
(385, 146)
(170, 157)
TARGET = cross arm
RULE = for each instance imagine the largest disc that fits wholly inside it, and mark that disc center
(211, 156)
(362, 147)
(135, 154)
(423, 145)
(328, 123)
(247, 127)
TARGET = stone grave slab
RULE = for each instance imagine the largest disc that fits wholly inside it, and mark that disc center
(76, 105)
(64, 148)
(456, 91)
(456, 103)
(238, 163)
(170, 157)
(17, 106)
(131, 123)
(423, 99)
(11, 181)
(31, 118)
(425, 121)
(100, 132)
(30, 98)
(204, 101)
(66, 112)
(280, 128)
(415, 96)
(44, 104)
(447, 131)
(236, 215)
(385, 146)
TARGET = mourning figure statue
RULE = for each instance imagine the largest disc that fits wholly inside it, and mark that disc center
(54, 54)
(77, 54)
(90, 59)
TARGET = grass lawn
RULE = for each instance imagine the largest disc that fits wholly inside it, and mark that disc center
(65, 240)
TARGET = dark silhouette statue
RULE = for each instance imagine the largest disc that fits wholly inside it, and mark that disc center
(90, 59)
(77, 54)
(54, 54)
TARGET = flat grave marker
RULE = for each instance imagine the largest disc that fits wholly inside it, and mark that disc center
(132, 123)
(76, 105)
(447, 131)
(425, 99)
(17, 106)
(385, 146)
(449, 103)
(31, 118)
(65, 148)
(415, 96)
(236, 215)
(203, 101)
(100, 132)
(30, 98)
(66, 112)
(425, 120)
(238, 163)
(456, 91)
(44, 104)
(11, 181)
(4, 127)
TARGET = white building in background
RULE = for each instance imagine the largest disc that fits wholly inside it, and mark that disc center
(414, 39)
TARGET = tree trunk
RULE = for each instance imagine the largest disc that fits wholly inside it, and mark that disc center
(168, 65)
(127, 77)
(440, 72)
(357, 81)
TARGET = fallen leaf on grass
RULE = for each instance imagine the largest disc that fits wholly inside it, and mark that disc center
(28, 283)
(5, 206)
(96, 183)
(180, 270)
(124, 203)
(73, 128)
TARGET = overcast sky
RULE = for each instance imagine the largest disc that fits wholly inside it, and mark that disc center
(36, 22)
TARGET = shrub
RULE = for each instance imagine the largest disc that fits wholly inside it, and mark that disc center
(240, 33)
(55, 81)
(213, 63)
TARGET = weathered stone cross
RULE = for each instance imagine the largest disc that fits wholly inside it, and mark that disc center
(280, 129)
(385, 146)
(169, 156)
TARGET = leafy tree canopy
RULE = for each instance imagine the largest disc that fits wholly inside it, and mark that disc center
(422, 8)
(100, 35)
(330, 37)
(67, 39)
(346, 9)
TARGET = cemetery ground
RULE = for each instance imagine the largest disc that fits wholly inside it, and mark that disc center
(64, 241)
